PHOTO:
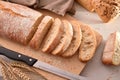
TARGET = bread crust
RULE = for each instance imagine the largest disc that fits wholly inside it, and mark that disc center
(88, 44)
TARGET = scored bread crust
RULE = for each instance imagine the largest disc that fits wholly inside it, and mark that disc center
(15, 24)
(42, 30)
(107, 9)
(76, 41)
(111, 54)
(53, 37)
(88, 44)
(66, 38)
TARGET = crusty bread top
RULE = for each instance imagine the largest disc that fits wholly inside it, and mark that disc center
(66, 38)
(53, 37)
(88, 44)
(20, 10)
(107, 9)
(18, 27)
(41, 32)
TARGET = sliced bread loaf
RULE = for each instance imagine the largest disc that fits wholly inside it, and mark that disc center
(66, 38)
(42, 30)
(53, 37)
(111, 54)
(88, 44)
(76, 41)
(17, 22)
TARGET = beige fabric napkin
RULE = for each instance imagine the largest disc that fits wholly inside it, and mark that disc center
(15, 70)
(58, 6)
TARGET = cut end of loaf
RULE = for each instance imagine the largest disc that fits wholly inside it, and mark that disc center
(116, 55)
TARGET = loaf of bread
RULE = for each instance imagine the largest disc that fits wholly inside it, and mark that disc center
(107, 9)
(87, 4)
(53, 37)
(17, 22)
(76, 41)
(41, 32)
(88, 44)
(111, 54)
(66, 38)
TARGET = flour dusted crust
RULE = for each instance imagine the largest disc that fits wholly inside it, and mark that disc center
(66, 38)
(16, 24)
(107, 9)
(88, 44)
(53, 37)
(41, 32)
(111, 54)
(76, 41)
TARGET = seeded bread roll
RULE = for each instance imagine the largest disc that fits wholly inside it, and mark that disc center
(88, 44)
(42, 30)
(66, 38)
(17, 22)
(53, 37)
(107, 9)
(76, 41)
(87, 4)
(111, 54)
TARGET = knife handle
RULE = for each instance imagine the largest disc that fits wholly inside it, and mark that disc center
(17, 56)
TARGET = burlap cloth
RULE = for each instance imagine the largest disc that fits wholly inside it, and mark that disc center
(14, 70)
(57, 6)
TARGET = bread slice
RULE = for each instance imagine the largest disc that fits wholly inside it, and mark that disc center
(53, 37)
(111, 54)
(76, 41)
(66, 38)
(18, 25)
(88, 44)
(42, 30)
(87, 4)
(107, 9)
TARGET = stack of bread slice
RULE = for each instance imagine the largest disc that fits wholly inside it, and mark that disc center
(50, 35)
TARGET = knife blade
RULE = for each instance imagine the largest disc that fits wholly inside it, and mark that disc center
(39, 64)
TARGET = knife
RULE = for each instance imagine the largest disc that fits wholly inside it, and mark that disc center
(39, 64)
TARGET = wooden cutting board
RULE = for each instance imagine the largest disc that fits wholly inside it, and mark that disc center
(72, 64)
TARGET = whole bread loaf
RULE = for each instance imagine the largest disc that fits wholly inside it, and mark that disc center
(107, 9)
(18, 22)
(111, 54)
